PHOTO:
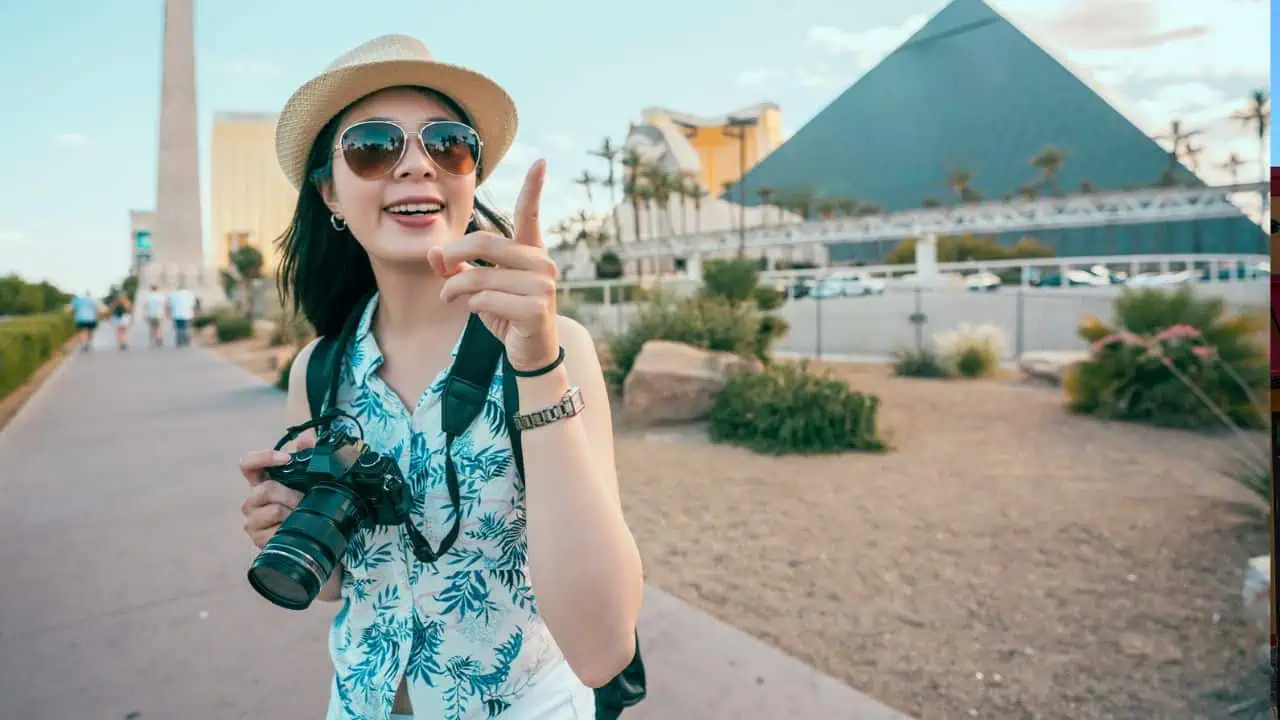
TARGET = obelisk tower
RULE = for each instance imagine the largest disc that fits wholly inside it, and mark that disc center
(177, 242)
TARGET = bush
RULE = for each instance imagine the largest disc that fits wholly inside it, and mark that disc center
(923, 363)
(971, 351)
(710, 323)
(282, 381)
(27, 342)
(770, 330)
(1172, 359)
(734, 280)
(291, 329)
(230, 328)
(786, 409)
(202, 321)
(768, 298)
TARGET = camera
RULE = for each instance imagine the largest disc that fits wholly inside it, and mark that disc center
(346, 486)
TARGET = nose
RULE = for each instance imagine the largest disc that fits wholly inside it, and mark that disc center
(415, 163)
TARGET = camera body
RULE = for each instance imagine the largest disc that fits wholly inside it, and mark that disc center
(345, 486)
(340, 458)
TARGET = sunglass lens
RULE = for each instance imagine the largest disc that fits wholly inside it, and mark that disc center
(452, 146)
(372, 149)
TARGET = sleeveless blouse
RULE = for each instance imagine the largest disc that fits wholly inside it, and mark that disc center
(464, 632)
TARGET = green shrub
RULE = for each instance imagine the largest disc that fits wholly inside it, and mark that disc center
(27, 342)
(1172, 359)
(971, 351)
(706, 322)
(768, 298)
(787, 409)
(290, 329)
(734, 280)
(772, 328)
(569, 306)
(922, 363)
(231, 328)
(282, 381)
(202, 321)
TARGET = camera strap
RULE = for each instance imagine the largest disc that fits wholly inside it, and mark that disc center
(466, 390)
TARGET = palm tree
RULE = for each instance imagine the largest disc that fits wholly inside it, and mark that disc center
(1087, 186)
(1258, 114)
(827, 207)
(1232, 165)
(1178, 137)
(766, 198)
(1192, 154)
(930, 202)
(609, 154)
(1049, 162)
(959, 181)
(586, 181)
(697, 193)
(659, 182)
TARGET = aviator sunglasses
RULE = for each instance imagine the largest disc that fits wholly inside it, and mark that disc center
(373, 148)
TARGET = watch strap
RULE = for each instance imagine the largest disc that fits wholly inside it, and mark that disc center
(570, 404)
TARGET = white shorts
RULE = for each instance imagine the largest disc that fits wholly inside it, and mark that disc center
(121, 321)
(559, 695)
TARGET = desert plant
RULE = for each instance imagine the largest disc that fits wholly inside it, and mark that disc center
(788, 409)
(771, 329)
(768, 298)
(971, 350)
(734, 280)
(711, 323)
(1172, 359)
(282, 380)
(291, 329)
(920, 363)
(232, 328)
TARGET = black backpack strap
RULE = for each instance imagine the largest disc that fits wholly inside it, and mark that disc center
(320, 368)
(466, 388)
(629, 686)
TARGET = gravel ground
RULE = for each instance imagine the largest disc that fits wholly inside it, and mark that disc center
(1007, 560)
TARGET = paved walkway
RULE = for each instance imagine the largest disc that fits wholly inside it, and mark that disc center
(122, 568)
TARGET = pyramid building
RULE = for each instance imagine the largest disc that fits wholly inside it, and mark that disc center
(970, 92)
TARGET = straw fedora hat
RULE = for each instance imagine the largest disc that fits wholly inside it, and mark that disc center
(384, 62)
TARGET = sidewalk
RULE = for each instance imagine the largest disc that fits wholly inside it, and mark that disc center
(123, 561)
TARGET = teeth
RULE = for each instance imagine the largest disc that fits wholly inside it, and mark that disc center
(407, 208)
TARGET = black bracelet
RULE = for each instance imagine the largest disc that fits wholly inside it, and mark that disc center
(542, 370)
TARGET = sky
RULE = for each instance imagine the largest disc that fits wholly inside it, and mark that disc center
(80, 81)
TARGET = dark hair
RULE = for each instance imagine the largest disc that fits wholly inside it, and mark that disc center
(325, 272)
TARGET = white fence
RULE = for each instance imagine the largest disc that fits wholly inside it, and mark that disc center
(908, 314)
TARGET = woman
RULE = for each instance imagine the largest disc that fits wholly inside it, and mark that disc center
(120, 307)
(387, 148)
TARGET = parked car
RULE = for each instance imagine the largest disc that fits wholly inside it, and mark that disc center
(982, 281)
(860, 284)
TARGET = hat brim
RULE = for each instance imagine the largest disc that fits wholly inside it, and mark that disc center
(489, 108)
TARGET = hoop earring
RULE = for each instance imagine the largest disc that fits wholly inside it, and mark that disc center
(338, 223)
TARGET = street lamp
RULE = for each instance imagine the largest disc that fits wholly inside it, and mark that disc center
(736, 127)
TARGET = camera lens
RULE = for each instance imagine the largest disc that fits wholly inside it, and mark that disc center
(300, 557)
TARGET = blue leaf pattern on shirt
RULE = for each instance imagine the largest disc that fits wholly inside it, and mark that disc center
(463, 632)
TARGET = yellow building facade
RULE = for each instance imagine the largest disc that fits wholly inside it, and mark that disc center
(251, 201)
(717, 144)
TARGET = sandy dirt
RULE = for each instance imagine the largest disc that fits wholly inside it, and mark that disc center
(1006, 560)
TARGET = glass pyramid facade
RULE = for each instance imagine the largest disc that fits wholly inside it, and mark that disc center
(969, 92)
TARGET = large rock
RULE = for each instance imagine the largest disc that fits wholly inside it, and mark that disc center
(1049, 365)
(673, 383)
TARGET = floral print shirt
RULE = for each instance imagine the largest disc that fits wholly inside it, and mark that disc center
(463, 632)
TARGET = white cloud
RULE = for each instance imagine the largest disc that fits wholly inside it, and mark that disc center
(70, 139)
(868, 47)
(756, 78)
(1129, 41)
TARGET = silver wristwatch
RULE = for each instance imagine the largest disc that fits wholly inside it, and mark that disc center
(571, 403)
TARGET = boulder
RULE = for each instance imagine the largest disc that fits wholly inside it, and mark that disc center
(1049, 365)
(676, 383)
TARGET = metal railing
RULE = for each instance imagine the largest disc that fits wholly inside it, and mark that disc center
(900, 313)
